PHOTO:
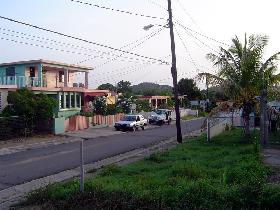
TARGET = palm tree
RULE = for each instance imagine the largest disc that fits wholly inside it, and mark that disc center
(242, 69)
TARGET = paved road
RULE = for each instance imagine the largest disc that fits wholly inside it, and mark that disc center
(33, 164)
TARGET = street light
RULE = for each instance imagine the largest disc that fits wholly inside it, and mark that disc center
(173, 71)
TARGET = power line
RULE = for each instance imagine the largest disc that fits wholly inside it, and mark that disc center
(158, 5)
(200, 34)
(80, 39)
(132, 48)
(118, 10)
(37, 39)
(143, 39)
(133, 68)
(186, 48)
(186, 12)
(58, 49)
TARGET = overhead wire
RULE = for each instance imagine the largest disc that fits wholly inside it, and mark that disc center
(129, 59)
(118, 10)
(141, 41)
(186, 49)
(200, 34)
(80, 39)
(132, 70)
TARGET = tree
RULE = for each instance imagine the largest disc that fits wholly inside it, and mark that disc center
(100, 106)
(107, 86)
(242, 70)
(124, 87)
(188, 87)
(33, 108)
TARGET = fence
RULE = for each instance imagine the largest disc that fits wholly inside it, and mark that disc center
(12, 127)
(216, 125)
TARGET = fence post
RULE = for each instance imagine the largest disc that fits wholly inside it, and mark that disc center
(82, 166)
(208, 130)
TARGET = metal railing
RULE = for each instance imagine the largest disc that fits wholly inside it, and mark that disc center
(20, 81)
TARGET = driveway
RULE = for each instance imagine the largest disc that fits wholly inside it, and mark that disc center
(36, 163)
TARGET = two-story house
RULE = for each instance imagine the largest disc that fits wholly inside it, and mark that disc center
(58, 80)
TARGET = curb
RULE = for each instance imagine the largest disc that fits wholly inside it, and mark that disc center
(18, 193)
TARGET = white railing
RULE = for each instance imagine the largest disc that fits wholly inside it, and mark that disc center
(20, 81)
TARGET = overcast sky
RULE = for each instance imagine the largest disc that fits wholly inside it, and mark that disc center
(218, 19)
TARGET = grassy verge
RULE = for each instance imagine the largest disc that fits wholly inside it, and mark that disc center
(224, 174)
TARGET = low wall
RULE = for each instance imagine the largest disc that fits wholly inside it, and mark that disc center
(219, 127)
(107, 120)
(76, 123)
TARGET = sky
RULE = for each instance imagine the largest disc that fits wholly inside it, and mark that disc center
(216, 19)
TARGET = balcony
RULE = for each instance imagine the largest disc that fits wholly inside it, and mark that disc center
(20, 81)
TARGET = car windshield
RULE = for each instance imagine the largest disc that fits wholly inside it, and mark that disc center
(159, 112)
(129, 118)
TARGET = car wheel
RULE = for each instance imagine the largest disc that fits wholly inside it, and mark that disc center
(117, 129)
(143, 128)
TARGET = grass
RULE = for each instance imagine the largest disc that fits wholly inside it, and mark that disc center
(188, 117)
(224, 174)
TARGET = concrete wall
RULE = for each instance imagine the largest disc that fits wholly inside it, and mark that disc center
(59, 127)
(51, 77)
(3, 99)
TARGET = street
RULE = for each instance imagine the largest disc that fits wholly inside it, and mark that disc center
(36, 163)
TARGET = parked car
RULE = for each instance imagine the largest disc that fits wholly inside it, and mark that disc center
(160, 117)
(131, 122)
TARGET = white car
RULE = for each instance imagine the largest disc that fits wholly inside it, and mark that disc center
(131, 122)
(160, 117)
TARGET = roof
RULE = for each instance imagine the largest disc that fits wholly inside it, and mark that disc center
(49, 63)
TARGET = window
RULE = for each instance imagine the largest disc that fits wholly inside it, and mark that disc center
(67, 101)
(61, 76)
(10, 71)
(72, 100)
(32, 71)
(61, 101)
(78, 101)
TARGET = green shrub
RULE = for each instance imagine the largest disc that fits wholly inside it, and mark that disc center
(109, 170)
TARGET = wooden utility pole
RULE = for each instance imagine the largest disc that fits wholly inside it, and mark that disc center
(174, 75)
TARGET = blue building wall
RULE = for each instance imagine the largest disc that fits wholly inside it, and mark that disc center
(20, 72)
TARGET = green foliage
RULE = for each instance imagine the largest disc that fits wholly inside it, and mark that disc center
(225, 174)
(31, 107)
(242, 72)
(151, 89)
(143, 105)
(107, 86)
(188, 87)
(86, 114)
(99, 106)
(109, 170)
(124, 87)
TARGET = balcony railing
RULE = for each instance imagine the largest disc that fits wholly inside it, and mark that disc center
(20, 81)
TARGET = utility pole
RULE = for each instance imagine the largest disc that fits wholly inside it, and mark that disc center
(207, 93)
(174, 75)
(264, 117)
